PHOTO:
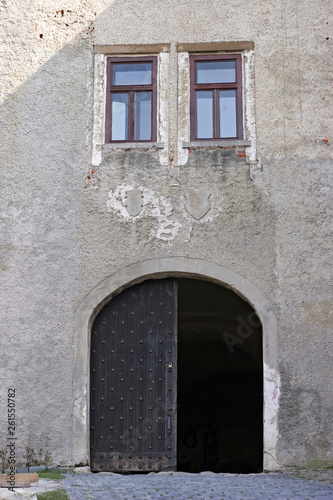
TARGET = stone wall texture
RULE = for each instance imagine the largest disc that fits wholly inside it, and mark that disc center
(64, 227)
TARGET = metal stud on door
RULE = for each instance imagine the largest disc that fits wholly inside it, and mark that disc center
(133, 379)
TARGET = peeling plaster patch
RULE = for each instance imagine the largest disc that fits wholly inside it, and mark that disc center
(183, 107)
(249, 105)
(157, 207)
(98, 109)
(271, 405)
(163, 105)
(167, 230)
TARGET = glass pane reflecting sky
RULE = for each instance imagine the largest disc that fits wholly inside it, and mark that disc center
(120, 117)
(132, 73)
(216, 71)
(204, 114)
(227, 100)
(142, 116)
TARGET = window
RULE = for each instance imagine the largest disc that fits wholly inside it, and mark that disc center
(131, 99)
(216, 97)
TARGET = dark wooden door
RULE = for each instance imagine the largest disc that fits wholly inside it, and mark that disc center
(133, 377)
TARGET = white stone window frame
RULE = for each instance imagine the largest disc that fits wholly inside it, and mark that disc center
(249, 143)
(101, 54)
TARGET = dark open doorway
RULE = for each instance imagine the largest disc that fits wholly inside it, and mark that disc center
(220, 381)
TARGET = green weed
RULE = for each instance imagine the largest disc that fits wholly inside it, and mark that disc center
(50, 474)
(53, 495)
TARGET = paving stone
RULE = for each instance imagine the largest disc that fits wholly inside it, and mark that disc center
(185, 486)
(82, 470)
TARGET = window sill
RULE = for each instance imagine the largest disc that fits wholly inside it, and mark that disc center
(150, 146)
(217, 144)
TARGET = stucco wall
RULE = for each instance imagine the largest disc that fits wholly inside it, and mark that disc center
(65, 228)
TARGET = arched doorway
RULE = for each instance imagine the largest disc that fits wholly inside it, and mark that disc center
(218, 422)
(180, 267)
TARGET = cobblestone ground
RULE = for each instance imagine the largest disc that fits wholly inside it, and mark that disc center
(183, 486)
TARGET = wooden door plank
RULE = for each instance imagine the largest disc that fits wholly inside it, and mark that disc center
(134, 380)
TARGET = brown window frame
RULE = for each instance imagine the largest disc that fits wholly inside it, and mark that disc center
(131, 89)
(215, 87)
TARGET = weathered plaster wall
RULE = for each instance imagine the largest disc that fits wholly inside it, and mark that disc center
(65, 228)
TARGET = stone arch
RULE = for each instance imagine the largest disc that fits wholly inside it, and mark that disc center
(159, 268)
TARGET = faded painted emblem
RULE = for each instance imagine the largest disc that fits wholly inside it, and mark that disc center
(134, 202)
(197, 203)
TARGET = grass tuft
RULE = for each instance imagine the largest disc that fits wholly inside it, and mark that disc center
(53, 495)
(53, 474)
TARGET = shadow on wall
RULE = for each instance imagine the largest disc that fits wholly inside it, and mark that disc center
(47, 119)
(45, 148)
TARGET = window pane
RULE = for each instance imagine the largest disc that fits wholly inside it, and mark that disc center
(204, 114)
(132, 73)
(119, 117)
(142, 116)
(216, 71)
(228, 113)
